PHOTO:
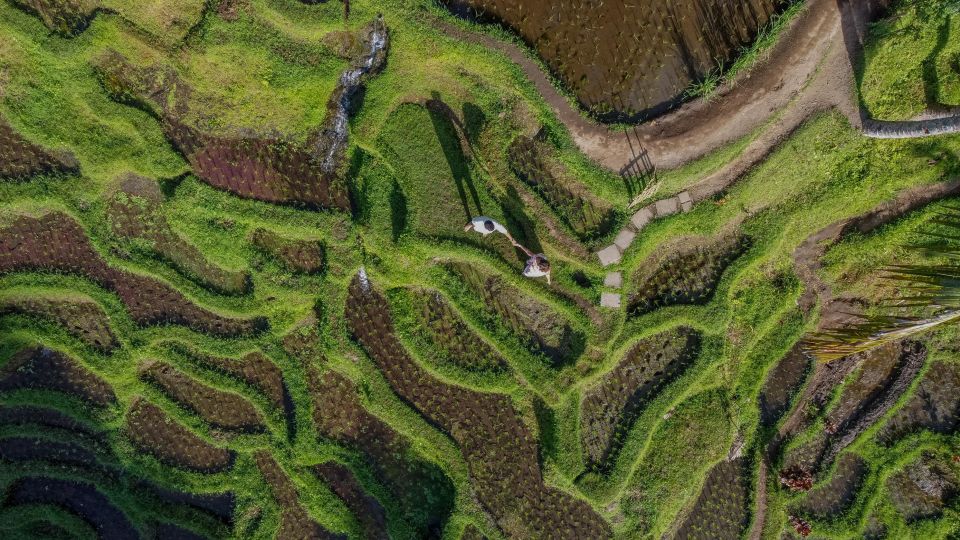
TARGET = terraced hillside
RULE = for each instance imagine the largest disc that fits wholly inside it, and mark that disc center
(237, 298)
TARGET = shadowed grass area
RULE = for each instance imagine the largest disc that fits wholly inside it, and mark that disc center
(911, 60)
(428, 151)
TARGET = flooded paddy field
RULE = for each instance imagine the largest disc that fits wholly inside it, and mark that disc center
(626, 60)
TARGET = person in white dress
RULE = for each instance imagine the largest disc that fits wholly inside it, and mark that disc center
(485, 226)
(537, 264)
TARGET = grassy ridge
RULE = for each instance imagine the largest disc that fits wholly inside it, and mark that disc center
(410, 161)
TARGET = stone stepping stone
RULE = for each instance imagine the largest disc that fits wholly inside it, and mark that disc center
(610, 300)
(641, 218)
(609, 255)
(614, 280)
(666, 207)
(624, 239)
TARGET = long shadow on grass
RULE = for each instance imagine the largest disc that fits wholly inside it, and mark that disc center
(931, 80)
(519, 221)
(444, 119)
(398, 210)
(473, 121)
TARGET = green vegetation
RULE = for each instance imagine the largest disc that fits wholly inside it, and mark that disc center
(912, 61)
(180, 356)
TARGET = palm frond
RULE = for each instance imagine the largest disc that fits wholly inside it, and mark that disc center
(934, 286)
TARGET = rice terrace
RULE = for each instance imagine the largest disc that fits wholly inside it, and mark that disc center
(480, 269)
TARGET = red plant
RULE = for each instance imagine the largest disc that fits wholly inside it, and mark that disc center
(797, 479)
(802, 527)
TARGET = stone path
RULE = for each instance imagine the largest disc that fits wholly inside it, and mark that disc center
(809, 70)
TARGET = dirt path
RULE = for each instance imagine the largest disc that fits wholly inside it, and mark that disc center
(808, 70)
(698, 127)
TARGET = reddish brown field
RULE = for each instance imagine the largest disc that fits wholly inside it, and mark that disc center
(417, 486)
(628, 60)
(262, 168)
(935, 406)
(254, 369)
(135, 212)
(448, 331)
(782, 382)
(367, 510)
(153, 431)
(21, 159)
(79, 315)
(223, 410)
(924, 488)
(295, 522)
(610, 407)
(500, 450)
(833, 498)
(721, 510)
(57, 243)
(538, 324)
(305, 256)
(587, 215)
(884, 374)
(684, 273)
(47, 369)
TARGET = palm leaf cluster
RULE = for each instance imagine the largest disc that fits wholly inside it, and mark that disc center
(933, 285)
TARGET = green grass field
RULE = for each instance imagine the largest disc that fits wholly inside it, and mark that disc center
(428, 150)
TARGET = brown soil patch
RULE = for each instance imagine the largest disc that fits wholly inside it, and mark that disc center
(923, 488)
(721, 509)
(833, 498)
(444, 328)
(626, 61)
(500, 450)
(782, 383)
(532, 161)
(306, 256)
(219, 505)
(55, 242)
(21, 159)
(687, 273)
(417, 486)
(295, 522)
(153, 431)
(701, 126)
(46, 369)
(223, 410)
(79, 498)
(368, 510)
(65, 17)
(257, 167)
(134, 211)
(610, 407)
(78, 314)
(883, 375)
(935, 406)
(303, 341)
(535, 322)
(254, 369)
